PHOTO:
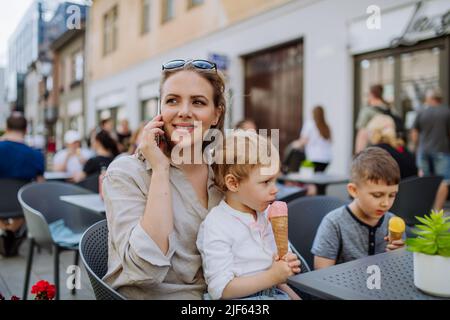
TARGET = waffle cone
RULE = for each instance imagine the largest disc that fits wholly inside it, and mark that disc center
(395, 235)
(280, 232)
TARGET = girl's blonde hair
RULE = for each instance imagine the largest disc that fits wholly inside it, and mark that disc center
(381, 129)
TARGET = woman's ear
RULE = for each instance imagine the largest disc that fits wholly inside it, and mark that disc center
(352, 190)
(218, 112)
(232, 183)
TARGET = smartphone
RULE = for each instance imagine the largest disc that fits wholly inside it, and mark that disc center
(159, 138)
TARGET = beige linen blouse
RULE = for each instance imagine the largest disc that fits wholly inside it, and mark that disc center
(137, 268)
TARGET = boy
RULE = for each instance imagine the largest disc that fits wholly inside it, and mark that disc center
(360, 229)
(236, 240)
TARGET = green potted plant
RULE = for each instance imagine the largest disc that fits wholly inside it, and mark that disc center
(306, 169)
(431, 250)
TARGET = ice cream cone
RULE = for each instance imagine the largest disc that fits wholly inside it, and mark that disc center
(279, 219)
(280, 233)
(396, 228)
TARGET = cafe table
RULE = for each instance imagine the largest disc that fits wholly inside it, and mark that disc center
(92, 202)
(357, 280)
(320, 179)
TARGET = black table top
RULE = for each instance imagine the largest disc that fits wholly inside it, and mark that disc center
(349, 280)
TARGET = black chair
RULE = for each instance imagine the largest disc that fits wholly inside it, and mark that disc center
(90, 183)
(94, 255)
(9, 204)
(305, 215)
(292, 158)
(415, 197)
(41, 206)
(301, 192)
(10, 209)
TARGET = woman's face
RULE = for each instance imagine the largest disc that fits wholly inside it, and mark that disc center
(186, 98)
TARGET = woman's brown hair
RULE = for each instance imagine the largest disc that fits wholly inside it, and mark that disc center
(214, 77)
(319, 119)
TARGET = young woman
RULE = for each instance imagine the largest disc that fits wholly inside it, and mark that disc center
(154, 208)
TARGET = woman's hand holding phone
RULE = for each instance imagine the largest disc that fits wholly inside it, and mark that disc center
(149, 145)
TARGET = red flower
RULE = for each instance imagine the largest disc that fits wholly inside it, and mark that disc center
(43, 290)
(15, 298)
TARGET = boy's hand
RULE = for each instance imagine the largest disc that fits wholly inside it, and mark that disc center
(394, 245)
(293, 261)
(280, 270)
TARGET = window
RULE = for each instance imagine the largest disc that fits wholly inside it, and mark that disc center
(145, 16)
(110, 31)
(77, 66)
(194, 3)
(168, 10)
(149, 108)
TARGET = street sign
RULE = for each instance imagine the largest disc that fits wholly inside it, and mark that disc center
(220, 60)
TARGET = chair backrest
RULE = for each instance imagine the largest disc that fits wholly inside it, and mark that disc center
(94, 254)
(295, 195)
(42, 205)
(9, 204)
(415, 197)
(90, 183)
(292, 159)
(305, 216)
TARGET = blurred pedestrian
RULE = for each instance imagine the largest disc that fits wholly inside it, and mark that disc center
(105, 149)
(72, 158)
(375, 105)
(431, 132)
(315, 137)
(124, 135)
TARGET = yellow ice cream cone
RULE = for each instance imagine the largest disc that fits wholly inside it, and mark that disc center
(396, 228)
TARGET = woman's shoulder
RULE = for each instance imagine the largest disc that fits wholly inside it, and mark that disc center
(127, 165)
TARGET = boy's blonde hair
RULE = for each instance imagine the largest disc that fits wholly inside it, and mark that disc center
(241, 152)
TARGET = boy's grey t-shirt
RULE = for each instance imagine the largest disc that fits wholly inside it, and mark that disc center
(343, 237)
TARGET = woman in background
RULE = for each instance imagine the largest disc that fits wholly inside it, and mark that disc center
(315, 137)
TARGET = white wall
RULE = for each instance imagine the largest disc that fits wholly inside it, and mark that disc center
(328, 71)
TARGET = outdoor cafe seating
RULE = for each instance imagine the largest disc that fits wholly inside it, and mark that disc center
(53, 224)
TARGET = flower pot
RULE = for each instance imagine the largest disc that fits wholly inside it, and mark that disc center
(306, 172)
(431, 274)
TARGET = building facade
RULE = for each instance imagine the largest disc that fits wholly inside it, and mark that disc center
(4, 108)
(25, 46)
(68, 84)
(281, 58)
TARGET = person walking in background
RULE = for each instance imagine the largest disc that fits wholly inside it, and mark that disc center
(315, 137)
(431, 133)
(73, 157)
(375, 105)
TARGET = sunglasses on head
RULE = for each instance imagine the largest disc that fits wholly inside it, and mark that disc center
(198, 63)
